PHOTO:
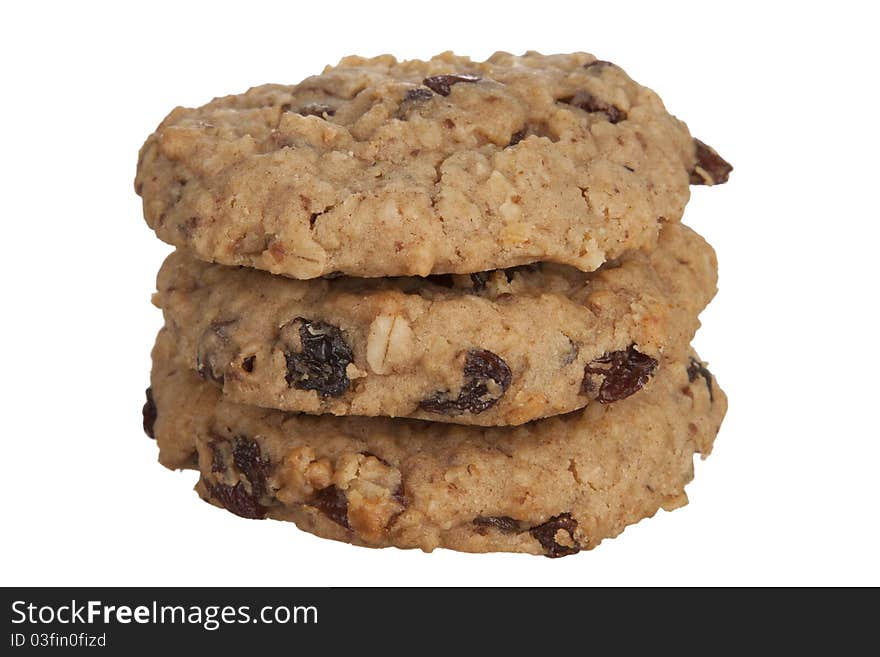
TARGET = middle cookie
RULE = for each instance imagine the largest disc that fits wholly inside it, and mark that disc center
(494, 348)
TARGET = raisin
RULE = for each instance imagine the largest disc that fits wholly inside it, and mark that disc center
(331, 501)
(251, 463)
(546, 533)
(215, 350)
(711, 168)
(312, 109)
(418, 94)
(442, 84)
(517, 137)
(322, 362)
(624, 373)
(247, 458)
(695, 369)
(150, 414)
(589, 103)
(237, 500)
(504, 524)
(486, 378)
(248, 364)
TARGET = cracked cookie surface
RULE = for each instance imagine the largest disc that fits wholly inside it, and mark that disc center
(384, 168)
(551, 487)
(494, 348)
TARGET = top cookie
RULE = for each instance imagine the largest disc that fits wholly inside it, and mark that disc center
(385, 168)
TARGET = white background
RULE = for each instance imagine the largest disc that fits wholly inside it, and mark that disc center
(787, 93)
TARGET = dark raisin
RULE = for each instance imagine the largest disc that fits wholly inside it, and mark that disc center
(150, 414)
(251, 463)
(479, 280)
(486, 378)
(248, 364)
(331, 501)
(315, 109)
(322, 361)
(622, 373)
(546, 534)
(598, 64)
(442, 84)
(517, 137)
(711, 168)
(695, 369)
(246, 457)
(504, 524)
(215, 350)
(589, 103)
(237, 500)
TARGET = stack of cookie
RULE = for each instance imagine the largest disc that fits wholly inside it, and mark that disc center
(434, 303)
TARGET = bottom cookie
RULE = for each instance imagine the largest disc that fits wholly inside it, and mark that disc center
(553, 487)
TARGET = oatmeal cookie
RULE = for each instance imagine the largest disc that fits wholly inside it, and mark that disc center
(551, 487)
(378, 167)
(493, 348)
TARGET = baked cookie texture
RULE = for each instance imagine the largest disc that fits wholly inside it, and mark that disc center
(378, 167)
(551, 487)
(437, 303)
(495, 348)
